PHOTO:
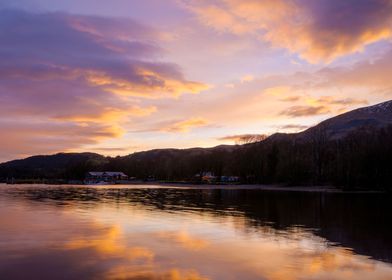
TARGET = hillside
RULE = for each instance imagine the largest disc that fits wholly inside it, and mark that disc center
(51, 166)
(376, 116)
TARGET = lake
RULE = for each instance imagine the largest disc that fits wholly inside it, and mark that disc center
(139, 232)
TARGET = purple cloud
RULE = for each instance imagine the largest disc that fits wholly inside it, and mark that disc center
(87, 73)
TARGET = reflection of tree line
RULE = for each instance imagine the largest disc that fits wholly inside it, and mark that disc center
(358, 221)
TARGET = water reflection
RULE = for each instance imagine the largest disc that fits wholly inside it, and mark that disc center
(119, 233)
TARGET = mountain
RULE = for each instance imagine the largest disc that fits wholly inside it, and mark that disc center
(323, 154)
(376, 116)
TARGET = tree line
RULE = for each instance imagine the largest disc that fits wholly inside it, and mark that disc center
(361, 159)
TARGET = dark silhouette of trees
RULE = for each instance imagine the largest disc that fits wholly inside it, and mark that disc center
(362, 159)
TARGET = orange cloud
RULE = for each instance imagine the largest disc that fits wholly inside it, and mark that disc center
(185, 126)
(305, 111)
(154, 85)
(330, 100)
(319, 31)
(23, 137)
(303, 104)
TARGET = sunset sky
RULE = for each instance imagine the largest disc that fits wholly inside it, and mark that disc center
(120, 76)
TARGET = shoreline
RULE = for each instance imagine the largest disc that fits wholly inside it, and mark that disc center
(163, 185)
(328, 189)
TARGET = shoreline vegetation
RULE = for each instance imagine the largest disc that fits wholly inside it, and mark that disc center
(193, 185)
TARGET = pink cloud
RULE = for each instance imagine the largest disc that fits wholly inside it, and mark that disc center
(81, 77)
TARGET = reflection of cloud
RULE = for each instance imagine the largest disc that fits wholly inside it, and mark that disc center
(232, 246)
(111, 244)
(317, 30)
(172, 274)
(335, 264)
(184, 239)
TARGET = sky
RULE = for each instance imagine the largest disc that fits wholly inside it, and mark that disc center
(121, 76)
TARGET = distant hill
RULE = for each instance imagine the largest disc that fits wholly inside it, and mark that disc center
(351, 149)
(51, 166)
(375, 116)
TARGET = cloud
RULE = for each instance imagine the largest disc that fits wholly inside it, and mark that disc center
(290, 98)
(85, 74)
(305, 111)
(175, 126)
(185, 125)
(112, 54)
(372, 74)
(321, 105)
(25, 136)
(247, 78)
(318, 105)
(319, 31)
(295, 92)
(244, 138)
(294, 127)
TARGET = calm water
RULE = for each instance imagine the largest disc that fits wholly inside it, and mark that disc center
(171, 234)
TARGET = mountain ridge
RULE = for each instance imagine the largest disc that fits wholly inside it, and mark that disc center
(307, 157)
(337, 126)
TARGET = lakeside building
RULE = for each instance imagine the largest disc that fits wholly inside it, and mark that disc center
(209, 178)
(108, 177)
